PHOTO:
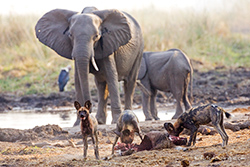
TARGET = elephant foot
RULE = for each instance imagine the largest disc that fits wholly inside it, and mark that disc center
(115, 117)
(101, 121)
(156, 118)
(148, 119)
(114, 121)
(175, 116)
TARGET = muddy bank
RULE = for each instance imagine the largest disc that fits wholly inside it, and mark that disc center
(239, 121)
(222, 86)
(51, 145)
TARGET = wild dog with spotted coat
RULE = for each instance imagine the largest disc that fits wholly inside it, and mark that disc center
(88, 125)
(197, 116)
(126, 126)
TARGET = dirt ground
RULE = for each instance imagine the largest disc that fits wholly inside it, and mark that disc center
(51, 145)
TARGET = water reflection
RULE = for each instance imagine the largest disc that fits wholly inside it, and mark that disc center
(30, 119)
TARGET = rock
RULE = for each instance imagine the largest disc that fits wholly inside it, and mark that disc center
(179, 148)
(208, 155)
(71, 142)
(59, 145)
(185, 163)
(108, 141)
(13, 135)
(41, 144)
(201, 82)
(220, 83)
(215, 159)
(47, 131)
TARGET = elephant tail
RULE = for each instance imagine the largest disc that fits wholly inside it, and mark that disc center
(191, 84)
(142, 88)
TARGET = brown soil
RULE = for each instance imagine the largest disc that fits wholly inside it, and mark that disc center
(51, 145)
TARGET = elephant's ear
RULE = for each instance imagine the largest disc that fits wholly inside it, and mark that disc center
(51, 29)
(115, 32)
(143, 69)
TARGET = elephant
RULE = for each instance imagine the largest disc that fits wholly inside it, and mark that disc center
(106, 43)
(168, 71)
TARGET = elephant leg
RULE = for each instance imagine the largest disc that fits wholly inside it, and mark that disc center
(177, 95)
(113, 86)
(186, 101)
(153, 107)
(130, 82)
(146, 99)
(129, 87)
(145, 107)
(101, 114)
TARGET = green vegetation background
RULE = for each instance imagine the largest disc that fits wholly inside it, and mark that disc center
(216, 38)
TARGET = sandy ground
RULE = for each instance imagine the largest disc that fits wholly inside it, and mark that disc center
(57, 151)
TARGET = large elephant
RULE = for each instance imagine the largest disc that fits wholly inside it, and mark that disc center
(106, 43)
(167, 71)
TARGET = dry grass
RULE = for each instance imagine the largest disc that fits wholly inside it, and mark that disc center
(220, 37)
(215, 37)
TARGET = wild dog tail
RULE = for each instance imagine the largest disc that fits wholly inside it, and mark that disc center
(228, 115)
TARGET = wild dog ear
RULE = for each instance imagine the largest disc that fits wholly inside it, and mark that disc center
(117, 133)
(126, 132)
(77, 105)
(88, 104)
(169, 127)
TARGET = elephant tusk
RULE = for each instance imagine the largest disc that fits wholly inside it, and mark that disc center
(94, 63)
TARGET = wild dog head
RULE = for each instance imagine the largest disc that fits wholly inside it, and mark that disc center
(83, 112)
(126, 135)
(173, 130)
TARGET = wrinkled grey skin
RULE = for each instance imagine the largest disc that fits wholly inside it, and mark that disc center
(110, 37)
(167, 71)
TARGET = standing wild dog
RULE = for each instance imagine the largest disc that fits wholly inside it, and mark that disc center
(88, 125)
(126, 126)
(197, 116)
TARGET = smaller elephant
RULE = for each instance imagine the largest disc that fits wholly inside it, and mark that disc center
(168, 71)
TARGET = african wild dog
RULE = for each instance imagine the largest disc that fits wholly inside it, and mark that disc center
(126, 126)
(88, 126)
(197, 116)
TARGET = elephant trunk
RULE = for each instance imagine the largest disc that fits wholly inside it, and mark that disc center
(83, 55)
(81, 82)
(81, 79)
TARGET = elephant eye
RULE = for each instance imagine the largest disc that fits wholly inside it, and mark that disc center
(96, 37)
(70, 35)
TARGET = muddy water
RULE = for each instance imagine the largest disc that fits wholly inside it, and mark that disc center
(65, 117)
(27, 119)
